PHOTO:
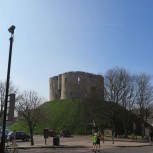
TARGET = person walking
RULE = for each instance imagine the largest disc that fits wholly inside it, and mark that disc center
(94, 140)
(98, 141)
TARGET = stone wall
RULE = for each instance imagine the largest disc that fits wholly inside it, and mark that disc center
(76, 85)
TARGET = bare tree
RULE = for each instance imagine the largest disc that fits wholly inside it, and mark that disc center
(12, 90)
(110, 92)
(144, 98)
(119, 89)
(30, 110)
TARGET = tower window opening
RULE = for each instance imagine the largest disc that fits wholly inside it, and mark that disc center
(78, 80)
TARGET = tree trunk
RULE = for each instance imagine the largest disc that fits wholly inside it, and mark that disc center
(125, 130)
(31, 135)
(142, 130)
(125, 123)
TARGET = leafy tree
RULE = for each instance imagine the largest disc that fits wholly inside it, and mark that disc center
(30, 110)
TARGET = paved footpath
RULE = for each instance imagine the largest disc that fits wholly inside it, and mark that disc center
(83, 144)
(87, 150)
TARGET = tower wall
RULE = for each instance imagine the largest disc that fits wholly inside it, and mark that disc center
(76, 85)
(55, 92)
(72, 85)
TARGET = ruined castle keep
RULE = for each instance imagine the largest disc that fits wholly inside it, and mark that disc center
(76, 85)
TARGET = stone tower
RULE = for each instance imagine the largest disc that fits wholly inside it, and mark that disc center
(76, 85)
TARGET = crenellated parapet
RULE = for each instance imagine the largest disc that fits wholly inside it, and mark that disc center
(76, 85)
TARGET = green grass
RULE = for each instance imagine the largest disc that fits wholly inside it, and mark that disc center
(62, 114)
(65, 114)
(76, 116)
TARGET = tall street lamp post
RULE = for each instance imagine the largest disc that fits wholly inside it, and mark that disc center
(11, 30)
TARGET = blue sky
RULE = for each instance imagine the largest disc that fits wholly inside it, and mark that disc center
(57, 36)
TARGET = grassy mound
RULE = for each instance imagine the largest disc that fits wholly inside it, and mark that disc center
(76, 116)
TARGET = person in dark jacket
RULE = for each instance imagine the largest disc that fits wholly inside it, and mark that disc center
(98, 141)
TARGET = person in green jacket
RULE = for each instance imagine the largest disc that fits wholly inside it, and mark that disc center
(94, 140)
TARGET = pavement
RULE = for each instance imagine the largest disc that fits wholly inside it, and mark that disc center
(81, 142)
